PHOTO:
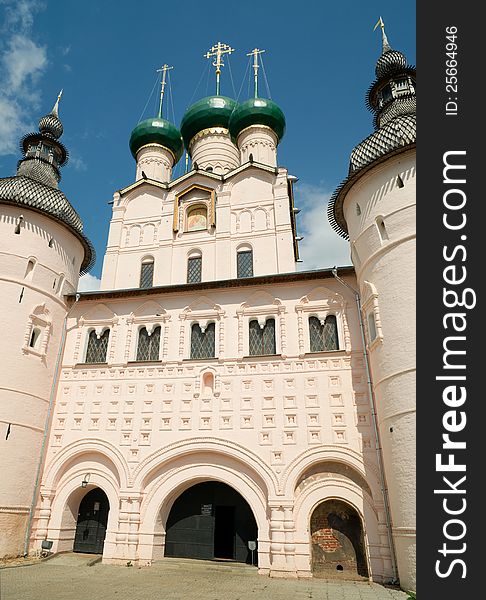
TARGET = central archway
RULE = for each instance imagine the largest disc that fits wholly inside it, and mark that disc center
(211, 520)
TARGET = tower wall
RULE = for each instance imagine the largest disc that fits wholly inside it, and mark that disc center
(34, 277)
(382, 236)
(259, 141)
(212, 148)
(156, 162)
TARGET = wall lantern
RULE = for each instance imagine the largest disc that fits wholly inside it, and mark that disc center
(85, 481)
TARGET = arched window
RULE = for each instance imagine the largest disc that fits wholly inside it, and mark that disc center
(35, 337)
(262, 339)
(147, 273)
(244, 263)
(207, 384)
(194, 267)
(203, 342)
(323, 336)
(29, 269)
(97, 347)
(197, 218)
(148, 344)
(371, 326)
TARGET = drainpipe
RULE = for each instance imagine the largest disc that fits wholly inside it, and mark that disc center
(371, 396)
(46, 428)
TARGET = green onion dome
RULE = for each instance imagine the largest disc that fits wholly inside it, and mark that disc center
(257, 111)
(157, 131)
(213, 111)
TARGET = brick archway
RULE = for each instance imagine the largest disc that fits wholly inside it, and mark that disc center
(337, 541)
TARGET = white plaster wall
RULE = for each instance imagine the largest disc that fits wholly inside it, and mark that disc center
(389, 265)
(26, 374)
(152, 431)
(259, 141)
(252, 208)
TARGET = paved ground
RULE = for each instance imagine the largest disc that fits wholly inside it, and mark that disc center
(69, 577)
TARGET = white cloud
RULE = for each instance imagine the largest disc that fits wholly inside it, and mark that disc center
(321, 247)
(22, 62)
(77, 162)
(88, 283)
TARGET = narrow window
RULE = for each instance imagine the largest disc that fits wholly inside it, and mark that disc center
(97, 347)
(29, 269)
(34, 337)
(371, 326)
(197, 218)
(358, 209)
(262, 339)
(147, 274)
(244, 264)
(323, 336)
(381, 228)
(194, 269)
(202, 342)
(148, 344)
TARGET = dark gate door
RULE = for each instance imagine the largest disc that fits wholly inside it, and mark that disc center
(224, 532)
(210, 520)
(91, 525)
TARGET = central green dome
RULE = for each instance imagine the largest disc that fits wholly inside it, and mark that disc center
(257, 111)
(213, 111)
(157, 131)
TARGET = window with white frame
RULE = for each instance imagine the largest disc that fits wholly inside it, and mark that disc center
(147, 273)
(194, 267)
(148, 346)
(262, 338)
(244, 263)
(97, 347)
(323, 334)
(203, 341)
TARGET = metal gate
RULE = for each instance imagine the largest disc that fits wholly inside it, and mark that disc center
(91, 524)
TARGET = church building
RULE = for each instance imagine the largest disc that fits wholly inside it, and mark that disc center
(211, 400)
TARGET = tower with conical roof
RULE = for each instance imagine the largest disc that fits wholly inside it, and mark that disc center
(44, 250)
(374, 208)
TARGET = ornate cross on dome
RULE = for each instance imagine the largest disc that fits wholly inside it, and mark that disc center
(217, 51)
(255, 52)
(386, 45)
(163, 69)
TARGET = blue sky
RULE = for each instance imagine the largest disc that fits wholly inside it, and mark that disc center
(319, 62)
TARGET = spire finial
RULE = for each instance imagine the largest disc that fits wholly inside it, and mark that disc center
(386, 45)
(163, 69)
(255, 52)
(217, 51)
(55, 109)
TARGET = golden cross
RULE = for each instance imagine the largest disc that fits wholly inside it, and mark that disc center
(386, 45)
(217, 51)
(163, 69)
(255, 52)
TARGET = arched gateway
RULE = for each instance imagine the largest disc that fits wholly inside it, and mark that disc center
(211, 520)
(337, 541)
(92, 521)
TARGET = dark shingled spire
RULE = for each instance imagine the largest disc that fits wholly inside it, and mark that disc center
(391, 98)
(36, 183)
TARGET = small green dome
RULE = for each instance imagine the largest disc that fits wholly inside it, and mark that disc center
(157, 131)
(257, 111)
(213, 111)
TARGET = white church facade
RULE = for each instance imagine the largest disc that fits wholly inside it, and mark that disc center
(210, 400)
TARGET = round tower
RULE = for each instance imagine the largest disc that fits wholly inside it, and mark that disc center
(375, 209)
(43, 250)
